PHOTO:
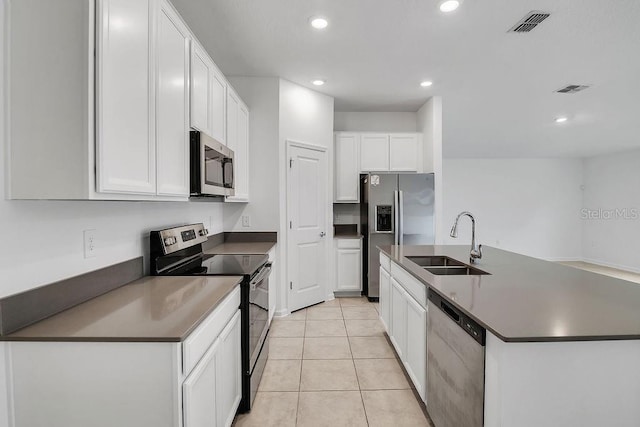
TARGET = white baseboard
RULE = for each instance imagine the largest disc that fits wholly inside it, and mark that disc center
(569, 259)
(612, 265)
(281, 313)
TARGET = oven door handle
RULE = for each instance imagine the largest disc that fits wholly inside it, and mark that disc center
(266, 270)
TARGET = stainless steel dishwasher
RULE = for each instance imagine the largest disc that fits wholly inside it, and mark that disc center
(455, 366)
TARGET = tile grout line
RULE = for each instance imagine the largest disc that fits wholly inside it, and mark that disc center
(304, 338)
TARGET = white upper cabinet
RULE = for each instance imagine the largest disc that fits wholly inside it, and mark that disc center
(403, 153)
(201, 118)
(219, 106)
(208, 95)
(398, 152)
(126, 145)
(238, 141)
(347, 168)
(124, 83)
(172, 129)
(374, 152)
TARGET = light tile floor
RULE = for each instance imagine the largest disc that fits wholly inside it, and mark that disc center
(331, 365)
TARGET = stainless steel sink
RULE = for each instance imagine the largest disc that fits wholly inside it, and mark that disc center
(463, 270)
(435, 261)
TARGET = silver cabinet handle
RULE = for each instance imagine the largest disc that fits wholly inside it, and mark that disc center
(322, 234)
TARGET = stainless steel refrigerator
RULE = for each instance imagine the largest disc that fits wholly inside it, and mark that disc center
(395, 209)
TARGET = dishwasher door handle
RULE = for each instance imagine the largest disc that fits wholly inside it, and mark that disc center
(450, 311)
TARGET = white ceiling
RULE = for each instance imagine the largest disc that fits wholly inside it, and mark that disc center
(497, 87)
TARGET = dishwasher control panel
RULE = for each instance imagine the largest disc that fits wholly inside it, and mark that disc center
(456, 315)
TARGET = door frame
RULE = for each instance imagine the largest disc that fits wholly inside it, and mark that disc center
(289, 144)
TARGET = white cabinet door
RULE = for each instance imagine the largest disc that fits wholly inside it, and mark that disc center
(385, 299)
(172, 129)
(242, 154)
(415, 358)
(398, 318)
(201, 77)
(228, 372)
(233, 103)
(199, 392)
(218, 105)
(349, 271)
(208, 95)
(374, 152)
(238, 141)
(403, 153)
(126, 145)
(347, 168)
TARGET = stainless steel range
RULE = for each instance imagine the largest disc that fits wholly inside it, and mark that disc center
(178, 252)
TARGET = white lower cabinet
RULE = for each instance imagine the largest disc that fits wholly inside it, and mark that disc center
(416, 349)
(200, 392)
(405, 319)
(213, 390)
(398, 318)
(193, 383)
(385, 298)
(348, 265)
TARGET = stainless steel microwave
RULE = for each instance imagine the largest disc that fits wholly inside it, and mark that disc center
(211, 167)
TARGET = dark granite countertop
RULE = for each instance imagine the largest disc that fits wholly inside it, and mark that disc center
(151, 309)
(526, 299)
(241, 248)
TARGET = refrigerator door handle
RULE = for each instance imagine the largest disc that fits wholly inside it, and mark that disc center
(401, 217)
(396, 197)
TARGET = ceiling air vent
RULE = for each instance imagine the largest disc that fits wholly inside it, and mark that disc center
(529, 22)
(572, 88)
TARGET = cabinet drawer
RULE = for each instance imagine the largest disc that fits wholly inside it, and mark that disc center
(348, 243)
(413, 286)
(385, 262)
(196, 344)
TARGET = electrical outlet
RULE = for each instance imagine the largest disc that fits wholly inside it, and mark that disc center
(246, 221)
(89, 243)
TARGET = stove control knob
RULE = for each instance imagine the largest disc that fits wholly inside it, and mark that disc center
(170, 241)
(204, 232)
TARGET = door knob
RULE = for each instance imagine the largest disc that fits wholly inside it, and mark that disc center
(322, 234)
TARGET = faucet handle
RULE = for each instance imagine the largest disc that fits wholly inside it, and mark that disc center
(476, 254)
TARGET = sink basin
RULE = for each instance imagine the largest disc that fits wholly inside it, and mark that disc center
(455, 271)
(435, 261)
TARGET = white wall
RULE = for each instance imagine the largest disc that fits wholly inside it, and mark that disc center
(261, 94)
(305, 116)
(375, 122)
(612, 182)
(529, 206)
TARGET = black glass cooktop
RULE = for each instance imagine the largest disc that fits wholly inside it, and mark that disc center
(226, 265)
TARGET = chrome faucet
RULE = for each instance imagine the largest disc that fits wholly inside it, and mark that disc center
(476, 251)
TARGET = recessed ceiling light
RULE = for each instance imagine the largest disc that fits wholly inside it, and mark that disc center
(318, 82)
(449, 5)
(561, 119)
(318, 22)
(426, 83)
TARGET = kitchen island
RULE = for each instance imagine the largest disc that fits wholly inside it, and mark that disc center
(562, 345)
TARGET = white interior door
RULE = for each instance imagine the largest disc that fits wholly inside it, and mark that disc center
(307, 200)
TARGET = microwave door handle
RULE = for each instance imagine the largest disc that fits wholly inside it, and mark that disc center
(203, 165)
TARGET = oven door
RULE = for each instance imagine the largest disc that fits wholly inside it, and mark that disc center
(258, 312)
